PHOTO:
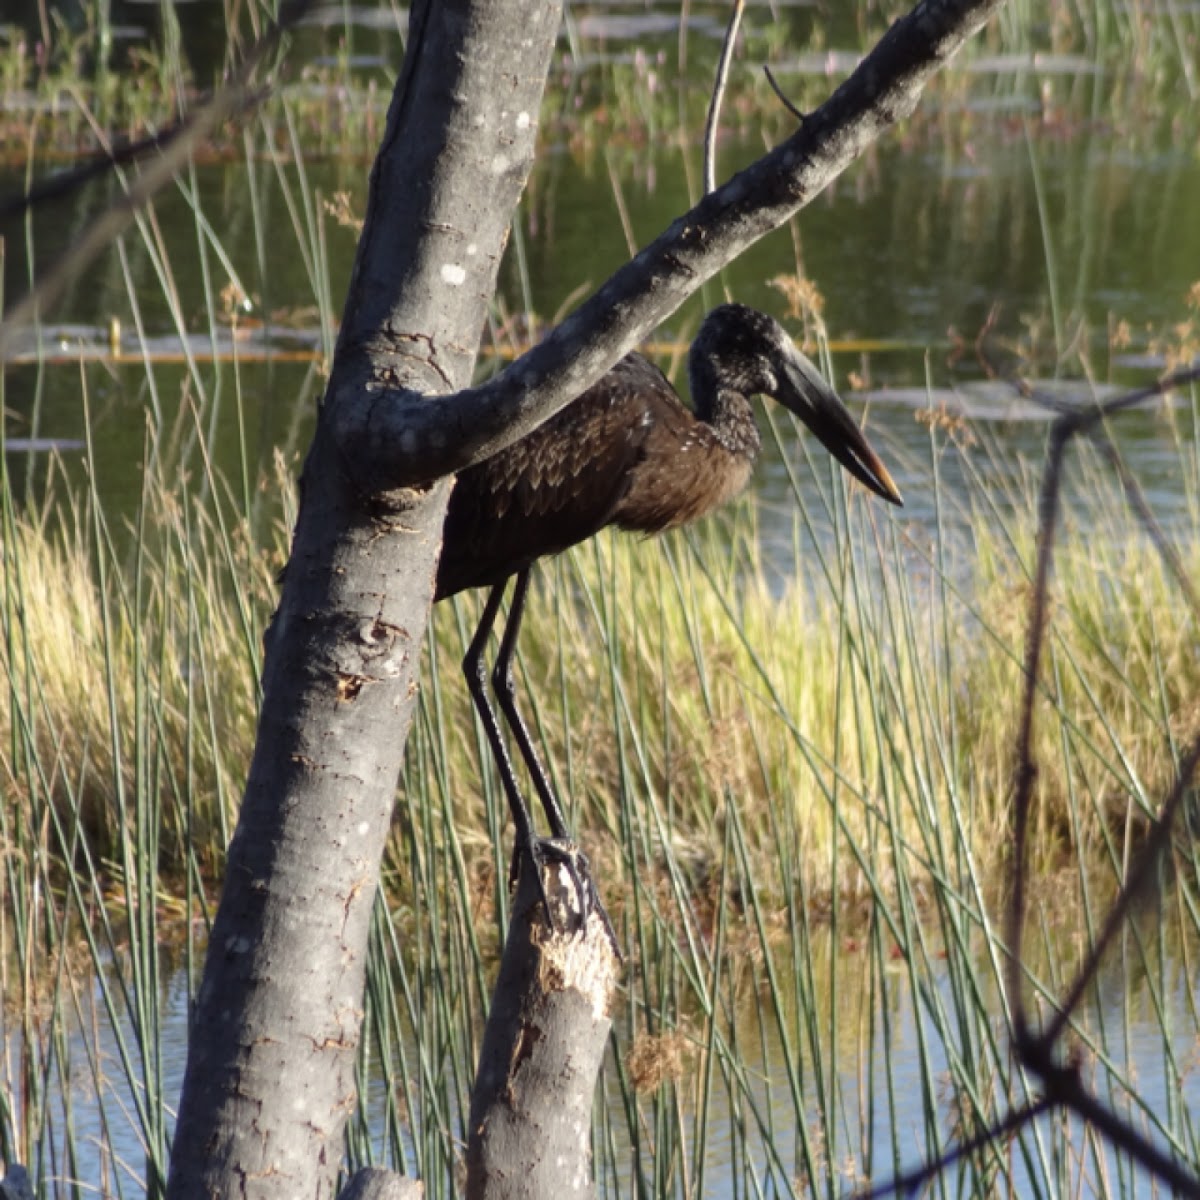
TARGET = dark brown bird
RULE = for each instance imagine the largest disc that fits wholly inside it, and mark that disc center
(626, 453)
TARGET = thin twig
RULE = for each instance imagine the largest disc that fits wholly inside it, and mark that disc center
(783, 99)
(1071, 421)
(1026, 772)
(1138, 502)
(913, 1180)
(1036, 1051)
(1065, 1089)
(67, 183)
(1136, 881)
(718, 94)
(229, 101)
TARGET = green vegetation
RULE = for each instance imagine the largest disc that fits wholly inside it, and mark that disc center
(76, 80)
(795, 799)
(670, 674)
(794, 793)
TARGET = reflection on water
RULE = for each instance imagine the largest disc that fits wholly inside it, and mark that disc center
(906, 251)
(890, 1048)
(1047, 235)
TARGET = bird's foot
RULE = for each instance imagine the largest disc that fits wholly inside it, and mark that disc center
(560, 914)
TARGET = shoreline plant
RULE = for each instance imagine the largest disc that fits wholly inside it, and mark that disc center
(867, 692)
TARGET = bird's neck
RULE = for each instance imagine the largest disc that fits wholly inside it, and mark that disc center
(726, 410)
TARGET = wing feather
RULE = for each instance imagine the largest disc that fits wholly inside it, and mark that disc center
(559, 485)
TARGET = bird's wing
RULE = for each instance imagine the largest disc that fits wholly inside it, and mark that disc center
(554, 488)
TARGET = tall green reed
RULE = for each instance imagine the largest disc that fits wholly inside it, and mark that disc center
(794, 797)
(795, 800)
(129, 650)
(797, 803)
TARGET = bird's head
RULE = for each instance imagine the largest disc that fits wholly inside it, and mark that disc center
(746, 351)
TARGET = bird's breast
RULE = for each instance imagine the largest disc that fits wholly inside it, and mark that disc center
(669, 490)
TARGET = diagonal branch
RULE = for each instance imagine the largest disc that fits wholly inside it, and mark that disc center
(910, 1183)
(1039, 1050)
(174, 147)
(399, 437)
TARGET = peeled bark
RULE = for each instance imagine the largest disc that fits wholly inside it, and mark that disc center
(531, 1108)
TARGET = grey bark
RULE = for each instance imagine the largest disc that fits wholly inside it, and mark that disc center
(530, 1127)
(269, 1082)
(399, 437)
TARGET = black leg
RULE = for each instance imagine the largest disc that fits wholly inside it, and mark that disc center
(476, 673)
(506, 694)
(539, 851)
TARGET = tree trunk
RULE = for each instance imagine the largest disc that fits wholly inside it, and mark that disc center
(270, 1078)
(269, 1083)
(530, 1129)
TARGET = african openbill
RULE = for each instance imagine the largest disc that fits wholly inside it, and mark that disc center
(627, 453)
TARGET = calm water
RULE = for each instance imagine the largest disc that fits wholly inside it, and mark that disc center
(879, 1124)
(1044, 207)
(1071, 218)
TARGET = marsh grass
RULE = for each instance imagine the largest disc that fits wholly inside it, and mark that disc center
(673, 675)
(794, 793)
(795, 798)
(797, 803)
(74, 83)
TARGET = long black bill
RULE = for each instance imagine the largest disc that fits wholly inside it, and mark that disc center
(803, 390)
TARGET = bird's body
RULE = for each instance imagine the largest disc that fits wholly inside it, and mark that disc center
(626, 453)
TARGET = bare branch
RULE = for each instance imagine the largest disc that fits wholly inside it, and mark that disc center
(1039, 1051)
(1072, 421)
(175, 148)
(1139, 878)
(67, 183)
(400, 437)
(718, 95)
(1026, 769)
(912, 1181)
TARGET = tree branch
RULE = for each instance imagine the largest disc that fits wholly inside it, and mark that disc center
(546, 1033)
(401, 437)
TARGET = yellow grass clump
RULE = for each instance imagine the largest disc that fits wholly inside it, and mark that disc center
(862, 711)
(866, 706)
(131, 687)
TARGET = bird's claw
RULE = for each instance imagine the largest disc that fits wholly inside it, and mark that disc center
(543, 852)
